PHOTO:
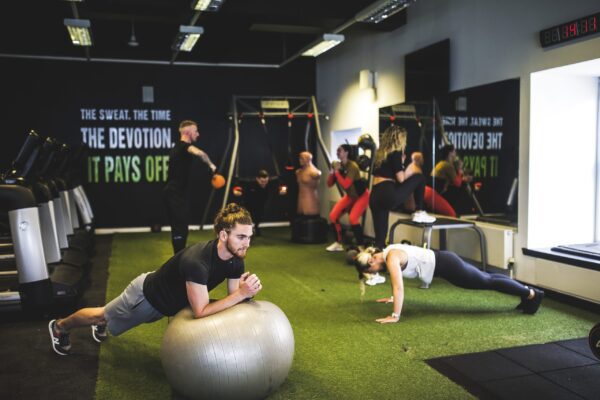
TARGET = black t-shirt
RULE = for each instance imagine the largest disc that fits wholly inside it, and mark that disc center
(256, 196)
(390, 166)
(165, 288)
(179, 168)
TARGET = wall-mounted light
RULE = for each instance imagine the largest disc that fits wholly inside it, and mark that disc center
(367, 79)
(382, 9)
(187, 37)
(324, 43)
(207, 5)
(79, 31)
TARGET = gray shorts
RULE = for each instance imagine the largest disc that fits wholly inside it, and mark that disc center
(130, 309)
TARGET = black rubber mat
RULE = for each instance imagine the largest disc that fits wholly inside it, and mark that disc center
(585, 381)
(30, 369)
(558, 370)
(546, 357)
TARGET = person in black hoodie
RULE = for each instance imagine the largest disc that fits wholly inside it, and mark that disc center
(254, 195)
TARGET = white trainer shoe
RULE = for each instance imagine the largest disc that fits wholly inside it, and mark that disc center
(375, 279)
(422, 217)
(335, 246)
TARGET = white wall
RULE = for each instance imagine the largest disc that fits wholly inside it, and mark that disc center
(489, 42)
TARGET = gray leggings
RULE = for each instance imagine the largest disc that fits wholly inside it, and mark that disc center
(462, 274)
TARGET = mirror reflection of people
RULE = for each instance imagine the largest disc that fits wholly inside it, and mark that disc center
(355, 200)
(254, 196)
(391, 188)
(405, 261)
(448, 176)
(308, 177)
(175, 192)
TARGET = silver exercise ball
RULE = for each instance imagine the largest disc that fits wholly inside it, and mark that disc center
(244, 352)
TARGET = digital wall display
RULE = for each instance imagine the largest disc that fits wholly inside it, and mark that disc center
(571, 30)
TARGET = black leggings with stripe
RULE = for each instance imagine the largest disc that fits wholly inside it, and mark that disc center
(462, 274)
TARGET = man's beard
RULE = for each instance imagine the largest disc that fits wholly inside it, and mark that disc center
(238, 253)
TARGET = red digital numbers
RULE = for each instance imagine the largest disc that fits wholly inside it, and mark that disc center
(573, 31)
(570, 30)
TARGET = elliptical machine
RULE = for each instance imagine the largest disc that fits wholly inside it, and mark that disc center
(30, 285)
(41, 279)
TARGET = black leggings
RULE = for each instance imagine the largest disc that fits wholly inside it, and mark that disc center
(388, 195)
(459, 273)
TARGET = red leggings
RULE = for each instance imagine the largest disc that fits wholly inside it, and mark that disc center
(356, 209)
(436, 203)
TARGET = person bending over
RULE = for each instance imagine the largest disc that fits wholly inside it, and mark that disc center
(254, 195)
(391, 188)
(175, 192)
(355, 201)
(405, 261)
(184, 280)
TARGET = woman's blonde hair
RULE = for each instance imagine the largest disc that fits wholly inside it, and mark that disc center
(393, 139)
(361, 261)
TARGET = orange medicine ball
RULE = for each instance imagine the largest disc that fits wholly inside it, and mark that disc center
(218, 181)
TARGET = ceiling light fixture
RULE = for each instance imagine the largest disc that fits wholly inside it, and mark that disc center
(79, 31)
(382, 9)
(187, 37)
(324, 43)
(207, 5)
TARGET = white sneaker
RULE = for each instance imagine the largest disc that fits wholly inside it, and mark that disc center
(375, 279)
(422, 217)
(335, 246)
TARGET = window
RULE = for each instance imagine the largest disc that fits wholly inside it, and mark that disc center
(563, 202)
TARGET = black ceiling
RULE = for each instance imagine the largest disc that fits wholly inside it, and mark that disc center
(242, 31)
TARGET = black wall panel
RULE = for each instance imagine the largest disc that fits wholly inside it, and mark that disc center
(48, 96)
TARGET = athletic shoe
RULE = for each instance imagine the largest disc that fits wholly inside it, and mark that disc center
(335, 246)
(99, 333)
(531, 305)
(375, 279)
(60, 340)
(422, 217)
(521, 304)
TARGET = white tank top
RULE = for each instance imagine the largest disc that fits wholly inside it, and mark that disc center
(421, 262)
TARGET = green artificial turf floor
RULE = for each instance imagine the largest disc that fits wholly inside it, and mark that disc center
(341, 353)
